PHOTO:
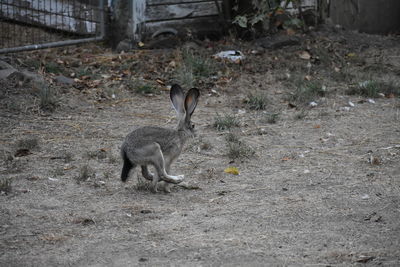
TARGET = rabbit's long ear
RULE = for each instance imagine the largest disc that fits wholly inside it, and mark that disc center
(177, 98)
(191, 101)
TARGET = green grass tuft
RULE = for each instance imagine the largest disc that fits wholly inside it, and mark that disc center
(237, 149)
(307, 91)
(47, 97)
(272, 117)
(226, 122)
(145, 89)
(256, 102)
(372, 88)
(193, 69)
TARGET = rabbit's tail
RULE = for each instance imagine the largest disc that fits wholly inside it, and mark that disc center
(126, 168)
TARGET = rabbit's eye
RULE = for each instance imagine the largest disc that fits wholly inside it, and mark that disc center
(192, 126)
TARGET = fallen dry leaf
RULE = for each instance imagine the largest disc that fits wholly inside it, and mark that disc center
(232, 170)
(304, 55)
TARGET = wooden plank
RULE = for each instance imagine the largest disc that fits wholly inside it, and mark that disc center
(138, 18)
(202, 24)
(180, 11)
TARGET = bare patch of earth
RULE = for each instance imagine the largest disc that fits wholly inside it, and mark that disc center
(323, 187)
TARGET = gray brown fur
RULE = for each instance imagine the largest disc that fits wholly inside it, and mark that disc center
(157, 146)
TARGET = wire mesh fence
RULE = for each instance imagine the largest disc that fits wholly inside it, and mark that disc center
(33, 24)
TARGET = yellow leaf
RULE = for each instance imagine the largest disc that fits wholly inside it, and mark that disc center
(232, 170)
(140, 44)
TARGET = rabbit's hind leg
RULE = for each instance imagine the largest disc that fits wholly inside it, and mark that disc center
(159, 164)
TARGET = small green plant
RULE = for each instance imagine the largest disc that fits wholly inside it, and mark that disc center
(193, 68)
(52, 67)
(307, 91)
(200, 65)
(85, 173)
(225, 122)
(262, 15)
(372, 88)
(83, 71)
(232, 138)
(145, 89)
(256, 101)
(5, 185)
(199, 144)
(272, 117)
(184, 76)
(47, 97)
(237, 149)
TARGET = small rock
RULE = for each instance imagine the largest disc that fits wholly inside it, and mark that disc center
(351, 104)
(371, 101)
(365, 197)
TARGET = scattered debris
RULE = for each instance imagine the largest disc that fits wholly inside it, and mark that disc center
(234, 56)
(145, 211)
(278, 41)
(364, 258)
(305, 55)
(373, 160)
(83, 221)
(313, 104)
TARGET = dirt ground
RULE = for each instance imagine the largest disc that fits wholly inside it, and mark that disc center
(322, 188)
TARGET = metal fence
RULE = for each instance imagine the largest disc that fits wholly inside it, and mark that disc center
(35, 24)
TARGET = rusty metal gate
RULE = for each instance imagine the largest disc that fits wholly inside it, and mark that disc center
(36, 24)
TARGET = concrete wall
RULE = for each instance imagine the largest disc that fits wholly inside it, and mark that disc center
(370, 16)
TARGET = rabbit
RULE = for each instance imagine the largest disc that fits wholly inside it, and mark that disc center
(157, 146)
